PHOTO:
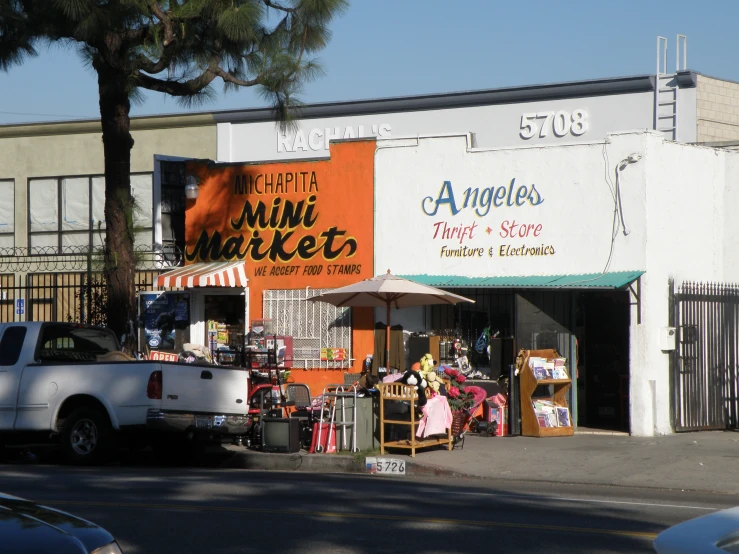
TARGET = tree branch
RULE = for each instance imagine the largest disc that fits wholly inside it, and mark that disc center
(175, 88)
(192, 86)
(280, 7)
(149, 66)
(229, 78)
(166, 22)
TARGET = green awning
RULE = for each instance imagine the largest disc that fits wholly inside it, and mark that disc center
(614, 280)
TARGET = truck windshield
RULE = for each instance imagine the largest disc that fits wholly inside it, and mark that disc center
(65, 342)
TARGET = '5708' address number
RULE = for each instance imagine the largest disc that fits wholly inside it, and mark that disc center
(560, 123)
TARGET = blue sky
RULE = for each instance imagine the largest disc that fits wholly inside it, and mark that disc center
(384, 48)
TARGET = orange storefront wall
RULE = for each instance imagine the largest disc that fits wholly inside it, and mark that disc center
(296, 224)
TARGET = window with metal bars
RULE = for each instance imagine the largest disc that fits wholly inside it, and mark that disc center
(313, 326)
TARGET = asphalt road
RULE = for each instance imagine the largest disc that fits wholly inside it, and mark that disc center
(215, 511)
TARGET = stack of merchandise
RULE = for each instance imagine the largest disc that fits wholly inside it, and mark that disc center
(494, 411)
(552, 368)
(548, 414)
(560, 370)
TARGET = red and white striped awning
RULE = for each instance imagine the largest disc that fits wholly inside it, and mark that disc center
(211, 274)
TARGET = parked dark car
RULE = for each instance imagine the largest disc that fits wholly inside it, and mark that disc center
(716, 533)
(28, 528)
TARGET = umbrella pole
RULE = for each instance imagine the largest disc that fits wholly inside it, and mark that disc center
(387, 337)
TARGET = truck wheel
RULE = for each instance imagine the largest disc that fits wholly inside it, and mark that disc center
(87, 436)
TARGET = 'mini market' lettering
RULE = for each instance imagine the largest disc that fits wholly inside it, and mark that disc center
(481, 200)
(283, 232)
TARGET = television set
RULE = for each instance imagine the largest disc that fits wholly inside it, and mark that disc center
(280, 434)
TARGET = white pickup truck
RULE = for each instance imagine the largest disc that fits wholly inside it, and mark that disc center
(72, 382)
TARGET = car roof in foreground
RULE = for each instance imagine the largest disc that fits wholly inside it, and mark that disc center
(34, 529)
(713, 533)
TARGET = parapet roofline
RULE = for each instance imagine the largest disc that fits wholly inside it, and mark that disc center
(436, 101)
(464, 99)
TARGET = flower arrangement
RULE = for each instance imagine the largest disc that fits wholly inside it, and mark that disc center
(459, 399)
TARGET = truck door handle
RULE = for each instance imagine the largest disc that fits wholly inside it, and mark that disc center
(206, 375)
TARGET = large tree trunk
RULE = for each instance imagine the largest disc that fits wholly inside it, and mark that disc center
(120, 264)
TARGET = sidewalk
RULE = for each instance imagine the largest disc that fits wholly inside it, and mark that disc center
(705, 461)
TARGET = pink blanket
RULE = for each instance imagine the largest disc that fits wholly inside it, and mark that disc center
(437, 417)
(478, 394)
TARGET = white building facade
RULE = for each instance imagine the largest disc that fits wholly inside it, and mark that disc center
(629, 212)
(551, 114)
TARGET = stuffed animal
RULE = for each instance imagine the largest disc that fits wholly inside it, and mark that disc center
(413, 378)
(428, 372)
(427, 364)
(433, 381)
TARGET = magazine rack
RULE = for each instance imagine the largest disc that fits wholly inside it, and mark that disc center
(529, 424)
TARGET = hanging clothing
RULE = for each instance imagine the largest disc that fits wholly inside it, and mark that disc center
(397, 348)
(437, 417)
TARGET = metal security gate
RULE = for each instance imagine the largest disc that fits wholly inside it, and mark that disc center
(313, 326)
(704, 364)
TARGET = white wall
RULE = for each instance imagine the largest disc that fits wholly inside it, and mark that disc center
(678, 206)
(731, 219)
(685, 241)
(494, 125)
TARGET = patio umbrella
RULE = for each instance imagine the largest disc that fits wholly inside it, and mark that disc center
(388, 291)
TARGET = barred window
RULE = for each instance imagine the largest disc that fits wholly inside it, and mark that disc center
(313, 325)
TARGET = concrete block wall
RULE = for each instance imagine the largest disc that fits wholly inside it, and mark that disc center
(717, 110)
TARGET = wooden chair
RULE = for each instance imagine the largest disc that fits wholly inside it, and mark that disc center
(405, 393)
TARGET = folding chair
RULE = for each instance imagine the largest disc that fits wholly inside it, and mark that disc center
(302, 409)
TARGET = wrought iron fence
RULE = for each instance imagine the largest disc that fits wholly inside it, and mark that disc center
(704, 368)
(71, 296)
(68, 284)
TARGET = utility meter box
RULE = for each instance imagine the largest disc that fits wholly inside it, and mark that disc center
(667, 336)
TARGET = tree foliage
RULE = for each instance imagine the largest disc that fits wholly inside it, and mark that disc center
(180, 48)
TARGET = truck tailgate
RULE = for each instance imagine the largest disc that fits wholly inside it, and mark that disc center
(204, 389)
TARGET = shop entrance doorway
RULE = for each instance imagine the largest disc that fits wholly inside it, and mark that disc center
(225, 321)
(603, 367)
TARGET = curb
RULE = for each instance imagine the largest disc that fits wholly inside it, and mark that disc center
(327, 463)
(299, 461)
(414, 468)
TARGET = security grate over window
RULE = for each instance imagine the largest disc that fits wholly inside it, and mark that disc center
(313, 325)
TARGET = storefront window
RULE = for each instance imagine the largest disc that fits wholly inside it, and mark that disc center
(313, 326)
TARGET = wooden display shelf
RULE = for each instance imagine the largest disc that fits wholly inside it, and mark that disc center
(406, 393)
(418, 443)
(528, 384)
